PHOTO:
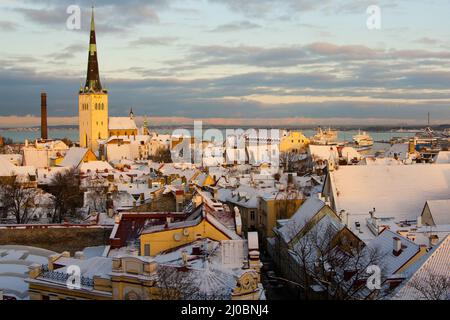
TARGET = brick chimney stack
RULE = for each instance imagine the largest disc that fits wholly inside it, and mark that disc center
(44, 129)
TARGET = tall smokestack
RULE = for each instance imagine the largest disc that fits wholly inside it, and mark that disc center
(44, 129)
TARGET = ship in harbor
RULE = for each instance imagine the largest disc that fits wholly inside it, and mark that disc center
(362, 139)
(325, 137)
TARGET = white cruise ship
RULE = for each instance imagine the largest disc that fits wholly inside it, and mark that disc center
(362, 139)
(327, 137)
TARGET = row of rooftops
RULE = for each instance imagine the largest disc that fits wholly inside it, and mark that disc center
(402, 260)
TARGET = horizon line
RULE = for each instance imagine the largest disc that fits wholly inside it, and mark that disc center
(15, 121)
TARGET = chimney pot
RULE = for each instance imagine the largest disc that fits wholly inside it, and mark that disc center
(419, 221)
(397, 246)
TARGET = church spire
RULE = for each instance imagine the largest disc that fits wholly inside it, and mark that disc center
(93, 75)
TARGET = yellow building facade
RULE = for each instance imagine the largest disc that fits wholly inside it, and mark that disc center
(294, 141)
(156, 242)
(130, 278)
(270, 210)
(93, 119)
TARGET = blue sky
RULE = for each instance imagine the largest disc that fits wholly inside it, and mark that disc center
(269, 59)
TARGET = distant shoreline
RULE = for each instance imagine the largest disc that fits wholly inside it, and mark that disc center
(414, 128)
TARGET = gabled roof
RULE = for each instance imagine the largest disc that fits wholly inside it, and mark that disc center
(440, 211)
(73, 157)
(122, 123)
(399, 149)
(394, 191)
(6, 168)
(299, 220)
(93, 166)
(443, 157)
(384, 244)
(323, 152)
(434, 264)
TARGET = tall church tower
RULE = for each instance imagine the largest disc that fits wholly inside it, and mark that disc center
(92, 101)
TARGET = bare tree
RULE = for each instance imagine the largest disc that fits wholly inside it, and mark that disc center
(19, 201)
(65, 188)
(186, 283)
(175, 283)
(97, 195)
(289, 161)
(162, 155)
(431, 286)
(326, 258)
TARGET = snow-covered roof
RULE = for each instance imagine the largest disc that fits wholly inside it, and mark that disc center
(440, 211)
(200, 179)
(323, 152)
(48, 145)
(398, 192)
(6, 168)
(93, 166)
(183, 170)
(298, 221)
(434, 265)
(73, 157)
(322, 234)
(95, 266)
(213, 273)
(235, 155)
(14, 263)
(401, 150)
(384, 245)
(372, 161)
(244, 196)
(130, 139)
(253, 241)
(46, 175)
(443, 157)
(122, 123)
(14, 159)
(350, 153)
(221, 227)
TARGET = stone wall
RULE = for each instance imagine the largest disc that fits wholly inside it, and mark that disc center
(56, 239)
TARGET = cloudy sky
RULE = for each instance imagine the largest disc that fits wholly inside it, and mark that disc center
(274, 60)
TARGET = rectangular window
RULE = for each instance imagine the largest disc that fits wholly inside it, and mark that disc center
(147, 249)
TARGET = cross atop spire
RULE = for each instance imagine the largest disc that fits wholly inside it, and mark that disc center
(93, 83)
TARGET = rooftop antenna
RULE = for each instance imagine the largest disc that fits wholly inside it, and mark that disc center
(428, 119)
